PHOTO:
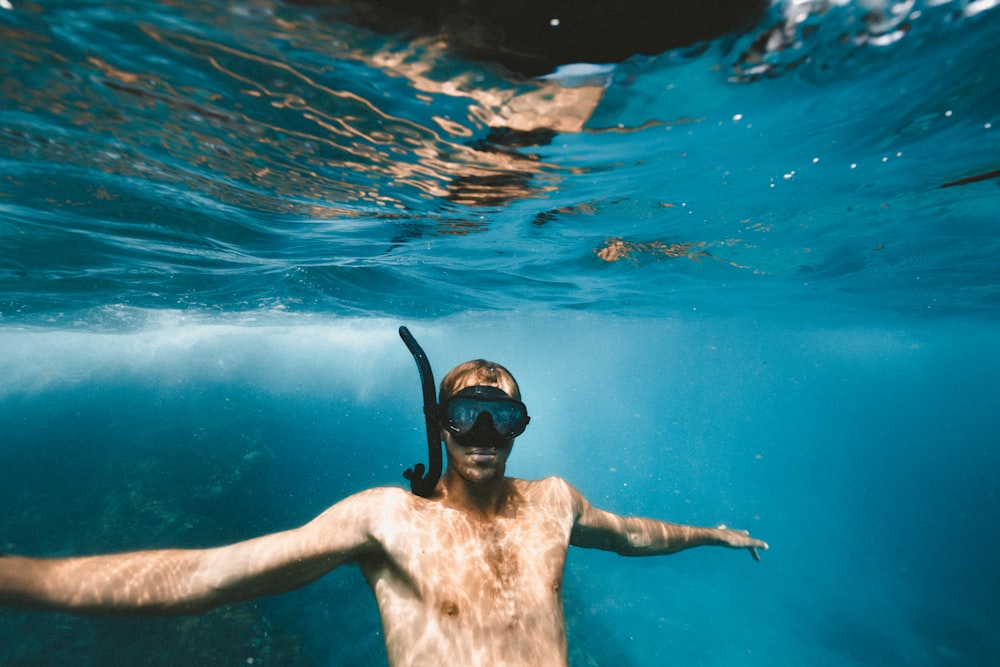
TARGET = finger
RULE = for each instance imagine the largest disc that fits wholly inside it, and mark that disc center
(753, 552)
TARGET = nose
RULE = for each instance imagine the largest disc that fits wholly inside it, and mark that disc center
(484, 420)
(483, 431)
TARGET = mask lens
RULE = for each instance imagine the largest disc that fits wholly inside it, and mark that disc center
(509, 416)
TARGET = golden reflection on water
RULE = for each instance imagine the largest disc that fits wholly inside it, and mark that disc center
(616, 249)
(247, 124)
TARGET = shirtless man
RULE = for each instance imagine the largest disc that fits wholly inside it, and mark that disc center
(470, 575)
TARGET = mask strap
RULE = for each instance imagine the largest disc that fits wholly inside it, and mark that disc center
(420, 484)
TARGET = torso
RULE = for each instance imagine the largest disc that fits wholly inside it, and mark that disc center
(455, 588)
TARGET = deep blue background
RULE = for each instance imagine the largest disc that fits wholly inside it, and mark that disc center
(865, 456)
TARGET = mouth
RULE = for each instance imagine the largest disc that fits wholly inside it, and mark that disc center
(483, 455)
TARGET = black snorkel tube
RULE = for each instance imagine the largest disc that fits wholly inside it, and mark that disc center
(423, 485)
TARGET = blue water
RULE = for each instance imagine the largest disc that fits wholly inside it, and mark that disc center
(757, 287)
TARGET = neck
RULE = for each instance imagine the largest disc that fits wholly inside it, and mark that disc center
(487, 498)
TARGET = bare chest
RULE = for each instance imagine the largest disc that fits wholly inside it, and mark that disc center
(502, 571)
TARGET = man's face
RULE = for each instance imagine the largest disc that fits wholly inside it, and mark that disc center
(481, 457)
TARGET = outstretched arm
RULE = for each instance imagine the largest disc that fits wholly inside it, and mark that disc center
(192, 581)
(635, 536)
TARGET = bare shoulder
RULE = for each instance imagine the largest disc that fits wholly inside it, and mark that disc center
(366, 507)
(554, 493)
(385, 496)
(552, 487)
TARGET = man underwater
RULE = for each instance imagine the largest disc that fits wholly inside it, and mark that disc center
(469, 575)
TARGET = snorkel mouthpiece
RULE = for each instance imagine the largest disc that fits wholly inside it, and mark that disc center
(420, 484)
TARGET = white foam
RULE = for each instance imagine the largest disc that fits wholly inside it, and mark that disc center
(171, 347)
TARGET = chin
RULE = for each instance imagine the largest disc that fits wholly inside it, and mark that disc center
(481, 476)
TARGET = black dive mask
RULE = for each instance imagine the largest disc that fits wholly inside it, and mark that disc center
(483, 414)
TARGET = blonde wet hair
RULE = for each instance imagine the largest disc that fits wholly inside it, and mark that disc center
(478, 372)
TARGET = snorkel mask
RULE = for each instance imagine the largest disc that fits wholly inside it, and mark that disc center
(483, 414)
(474, 415)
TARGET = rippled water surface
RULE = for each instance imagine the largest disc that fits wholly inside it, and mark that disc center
(248, 157)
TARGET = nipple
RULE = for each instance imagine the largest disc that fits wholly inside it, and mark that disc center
(449, 608)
